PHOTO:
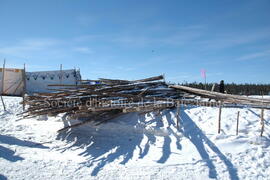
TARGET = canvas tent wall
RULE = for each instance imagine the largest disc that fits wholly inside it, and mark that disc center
(39, 81)
(12, 82)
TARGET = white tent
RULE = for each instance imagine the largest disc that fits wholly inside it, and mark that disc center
(39, 81)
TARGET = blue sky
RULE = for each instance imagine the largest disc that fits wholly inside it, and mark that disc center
(130, 39)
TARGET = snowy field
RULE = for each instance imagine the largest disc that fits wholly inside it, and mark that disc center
(136, 146)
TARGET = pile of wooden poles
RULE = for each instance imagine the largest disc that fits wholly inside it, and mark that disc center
(109, 98)
(103, 101)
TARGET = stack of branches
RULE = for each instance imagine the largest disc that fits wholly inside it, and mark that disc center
(103, 101)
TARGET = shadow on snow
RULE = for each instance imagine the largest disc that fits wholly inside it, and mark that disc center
(2, 177)
(191, 131)
(8, 154)
(118, 142)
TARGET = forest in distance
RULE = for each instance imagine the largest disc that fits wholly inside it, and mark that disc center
(233, 88)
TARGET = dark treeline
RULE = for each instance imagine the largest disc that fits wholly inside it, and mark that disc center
(232, 88)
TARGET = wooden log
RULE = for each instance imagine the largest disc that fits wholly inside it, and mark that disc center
(79, 85)
(24, 86)
(2, 89)
(132, 86)
(3, 103)
(61, 74)
(155, 78)
(237, 124)
(262, 122)
(178, 115)
(219, 120)
(223, 97)
(118, 81)
(53, 111)
(108, 118)
(104, 116)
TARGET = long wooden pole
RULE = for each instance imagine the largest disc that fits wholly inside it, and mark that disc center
(213, 87)
(262, 122)
(237, 124)
(61, 74)
(76, 80)
(205, 82)
(3, 103)
(219, 119)
(2, 89)
(224, 97)
(178, 116)
(24, 86)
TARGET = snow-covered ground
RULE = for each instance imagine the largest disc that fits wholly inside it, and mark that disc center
(136, 146)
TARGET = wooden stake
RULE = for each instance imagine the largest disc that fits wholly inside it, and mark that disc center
(2, 89)
(213, 87)
(3, 103)
(262, 122)
(178, 116)
(237, 124)
(75, 72)
(24, 86)
(219, 119)
(61, 74)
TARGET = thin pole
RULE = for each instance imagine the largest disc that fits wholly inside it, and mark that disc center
(24, 85)
(205, 82)
(2, 89)
(213, 87)
(3, 103)
(61, 74)
(76, 77)
(262, 119)
(178, 116)
(219, 119)
(163, 77)
(237, 124)
(262, 122)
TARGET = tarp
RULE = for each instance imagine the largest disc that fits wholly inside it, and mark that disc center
(13, 83)
(39, 81)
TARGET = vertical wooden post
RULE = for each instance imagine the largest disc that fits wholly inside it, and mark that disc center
(219, 118)
(61, 74)
(213, 87)
(2, 89)
(262, 122)
(76, 80)
(163, 77)
(3, 103)
(237, 124)
(24, 85)
(205, 82)
(178, 116)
